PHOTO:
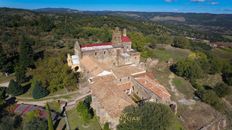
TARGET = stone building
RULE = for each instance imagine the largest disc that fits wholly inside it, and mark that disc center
(115, 53)
(116, 77)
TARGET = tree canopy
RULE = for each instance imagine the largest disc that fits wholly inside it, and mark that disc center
(54, 74)
(84, 112)
(26, 52)
(20, 73)
(36, 124)
(149, 116)
(14, 88)
(38, 90)
(188, 68)
(221, 89)
(180, 42)
(3, 58)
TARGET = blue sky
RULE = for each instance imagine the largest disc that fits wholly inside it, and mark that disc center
(210, 6)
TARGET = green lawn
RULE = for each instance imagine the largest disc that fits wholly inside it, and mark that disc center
(76, 122)
(54, 106)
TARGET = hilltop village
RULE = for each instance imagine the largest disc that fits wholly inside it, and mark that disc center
(116, 77)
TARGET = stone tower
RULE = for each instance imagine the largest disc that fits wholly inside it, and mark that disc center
(124, 33)
(116, 36)
(77, 49)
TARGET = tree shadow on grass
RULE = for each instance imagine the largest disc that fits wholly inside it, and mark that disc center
(59, 116)
(56, 123)
(26, 87)
(64, 127)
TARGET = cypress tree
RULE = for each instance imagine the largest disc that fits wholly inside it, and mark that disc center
(39, 91)
(50, 123)
(14, 88)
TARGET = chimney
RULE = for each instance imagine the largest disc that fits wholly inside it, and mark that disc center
(124, 32)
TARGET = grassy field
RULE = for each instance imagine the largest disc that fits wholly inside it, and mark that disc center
(4, 78)
(166, 52)
(76, 122)
(225, 53)
(210, 80)
(183, 86)
(227, 36)
(162, 72)
(54, 106)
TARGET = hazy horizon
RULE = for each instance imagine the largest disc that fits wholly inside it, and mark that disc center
(179, 6)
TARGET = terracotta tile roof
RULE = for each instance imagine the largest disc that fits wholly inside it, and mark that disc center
(125, 86)
(128, 70)
(96, 44)
(154, 86)
(110, 97)
(125, 39)
(149, 74)
(91, 66)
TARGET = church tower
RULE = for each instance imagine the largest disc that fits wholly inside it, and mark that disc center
(116, 36)
(124, 33)
(77, 49)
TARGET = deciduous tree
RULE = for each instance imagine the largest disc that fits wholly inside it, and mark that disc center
(149, 116)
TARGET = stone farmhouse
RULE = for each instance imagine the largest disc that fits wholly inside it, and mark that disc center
(116, 77)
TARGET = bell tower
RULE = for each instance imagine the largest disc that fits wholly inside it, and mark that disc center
(77, 49)
(116, 36)
(124, 33)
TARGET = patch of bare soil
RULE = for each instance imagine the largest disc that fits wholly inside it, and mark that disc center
(198, 115)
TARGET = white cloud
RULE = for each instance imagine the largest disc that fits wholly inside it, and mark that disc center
(214, 3)
(198, 0)
(169, 1)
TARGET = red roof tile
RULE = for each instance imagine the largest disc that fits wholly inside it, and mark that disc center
(125, 39)
(97, 44)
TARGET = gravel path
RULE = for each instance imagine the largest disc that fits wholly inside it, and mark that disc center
(4, 84)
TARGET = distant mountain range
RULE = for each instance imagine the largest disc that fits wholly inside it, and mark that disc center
(204, 19)
(56, 10)
(203, 22)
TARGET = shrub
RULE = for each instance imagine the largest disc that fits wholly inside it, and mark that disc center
(84, 112)
(222, 89)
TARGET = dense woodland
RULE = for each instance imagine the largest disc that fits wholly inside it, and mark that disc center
(33, 47)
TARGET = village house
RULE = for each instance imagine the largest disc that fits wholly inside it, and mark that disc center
(116, 77)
